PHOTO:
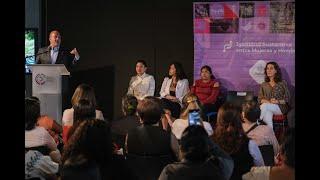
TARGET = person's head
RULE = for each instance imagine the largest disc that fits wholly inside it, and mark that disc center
(54, 38)
(194, 144)
(176, 70)
(272, 70)
(91, 139)
(229, 133)
(206, 73)
(287, 148)
(190, 102)
(129, 105)
(250, 111)
(84, 91)
(149, 111)
(32, 112)
(141, 67)
(83, 110)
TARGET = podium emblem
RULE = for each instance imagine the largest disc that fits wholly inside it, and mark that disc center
(40, 79)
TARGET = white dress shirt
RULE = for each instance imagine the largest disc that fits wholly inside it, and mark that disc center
(141, 86)
(182, 88)
(54, 55)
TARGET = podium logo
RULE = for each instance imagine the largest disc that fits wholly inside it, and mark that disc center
(40, 79)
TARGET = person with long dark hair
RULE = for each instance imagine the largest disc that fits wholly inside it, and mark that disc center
(88, 150)
(273, 94)
(174, 87)
(207, 89)
(229, 135)
(197, 162)
(83, 91)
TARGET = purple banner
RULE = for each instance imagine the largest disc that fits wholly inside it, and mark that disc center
(237, 39)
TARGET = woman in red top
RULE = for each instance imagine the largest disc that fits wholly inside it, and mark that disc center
(207, 89)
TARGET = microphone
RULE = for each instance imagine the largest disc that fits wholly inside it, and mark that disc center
(37, 54)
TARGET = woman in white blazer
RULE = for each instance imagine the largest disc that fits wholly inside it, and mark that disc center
(142, 84)
(174, 87)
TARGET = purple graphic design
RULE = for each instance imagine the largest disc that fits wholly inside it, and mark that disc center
(238, 53)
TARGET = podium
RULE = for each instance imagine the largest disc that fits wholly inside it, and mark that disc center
(47, 86)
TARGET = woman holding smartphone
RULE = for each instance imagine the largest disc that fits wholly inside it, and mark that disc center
(191, 113)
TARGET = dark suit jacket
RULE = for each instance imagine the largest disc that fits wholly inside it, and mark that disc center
(148, 140)
(64, 57)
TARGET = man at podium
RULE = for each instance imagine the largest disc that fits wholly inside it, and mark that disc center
(56, 54)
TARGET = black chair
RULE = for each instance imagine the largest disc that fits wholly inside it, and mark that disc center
(146, 166)
(267, 154)
(237, 98)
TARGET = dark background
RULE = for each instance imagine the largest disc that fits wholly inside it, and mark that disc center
(112, 33)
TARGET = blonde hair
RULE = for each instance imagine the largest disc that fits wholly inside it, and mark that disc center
(84, 91)
(190, 101)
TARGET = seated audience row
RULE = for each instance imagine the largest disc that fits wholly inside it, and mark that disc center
(285, 162)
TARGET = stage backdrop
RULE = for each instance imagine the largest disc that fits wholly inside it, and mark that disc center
(237, 39)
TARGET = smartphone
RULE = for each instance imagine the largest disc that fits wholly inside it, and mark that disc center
(194, 117)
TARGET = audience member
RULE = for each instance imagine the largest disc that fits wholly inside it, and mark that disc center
(88, 150)
(255, 129)
(129, 121)
(83, 91)
(196, 163)
(230, 136)
(36, 137)
(190, 102)
(83, 110)
(148, 143)
(54, 129)
(285, 168)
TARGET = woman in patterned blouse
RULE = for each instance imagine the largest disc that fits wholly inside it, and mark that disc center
(273, 94)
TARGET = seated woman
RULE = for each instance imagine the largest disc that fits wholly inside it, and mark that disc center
(129, 121)
(197, 162)
(54, 129)
(142, 84)
(207, 89)
(230, 136)
(190, 102)
(273, 94)
(174, 87)
(285, 168)
(83, 91)
(88, 150)
(255, 129)
(83, 111)
(35, 136)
